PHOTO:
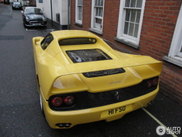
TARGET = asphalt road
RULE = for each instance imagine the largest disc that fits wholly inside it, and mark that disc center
(20, 114)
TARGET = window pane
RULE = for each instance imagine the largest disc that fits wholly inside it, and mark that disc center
(87, 55)
(139, 3)
(98, 2)
(79, 13)
(77, 41)
(133, 3)
(131, 29)
(101, 11)
(138, 16)
(101, 2)
(96, 12)
(127, 3)
(80, 2)
(127, 15)
(98, 21)
(126, 28)
(133, 14)
(136, 30)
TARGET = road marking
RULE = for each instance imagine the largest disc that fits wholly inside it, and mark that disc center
(158, 121)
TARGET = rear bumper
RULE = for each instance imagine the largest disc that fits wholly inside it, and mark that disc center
(41, 24)
(16, 7)
(107, 113)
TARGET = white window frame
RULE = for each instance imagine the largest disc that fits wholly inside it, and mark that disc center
(93, 28)
(176, 44)
(77, 12)
(132, 41)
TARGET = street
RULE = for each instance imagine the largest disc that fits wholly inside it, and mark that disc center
(20, 114)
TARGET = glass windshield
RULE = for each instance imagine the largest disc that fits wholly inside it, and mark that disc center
(77, 41)
(87, 55)
(33, 11)
(16, 3)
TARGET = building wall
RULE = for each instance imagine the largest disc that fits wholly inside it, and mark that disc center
(32, 2)
(58, 7)
(158, 26)
(45, 6)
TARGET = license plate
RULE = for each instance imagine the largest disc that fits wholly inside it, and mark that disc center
(116, 110)
(37, 24)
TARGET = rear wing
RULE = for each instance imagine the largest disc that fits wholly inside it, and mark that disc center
(153, 65)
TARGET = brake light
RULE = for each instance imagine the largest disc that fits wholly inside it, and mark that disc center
(69, 100)
(152, 82)
(61, 101)
(57, 101)
(155, 81)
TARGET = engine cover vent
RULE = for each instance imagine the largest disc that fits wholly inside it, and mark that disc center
(103, 72)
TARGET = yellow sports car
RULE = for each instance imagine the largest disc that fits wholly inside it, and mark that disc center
(82, 79)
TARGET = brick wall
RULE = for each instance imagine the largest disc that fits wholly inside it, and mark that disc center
(159, 22)
(158, 26)
(157, 31)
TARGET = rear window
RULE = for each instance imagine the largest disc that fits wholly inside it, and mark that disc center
(33, 10)
(77, 41)
(87, 55)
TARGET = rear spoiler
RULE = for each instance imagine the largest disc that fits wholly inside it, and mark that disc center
(80, 68)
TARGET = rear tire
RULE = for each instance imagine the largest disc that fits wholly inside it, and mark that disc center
(41, 105)
(40, 97)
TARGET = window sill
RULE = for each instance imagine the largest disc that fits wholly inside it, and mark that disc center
(133, 45)
(78, 24)
(173, 61)
(95, 31)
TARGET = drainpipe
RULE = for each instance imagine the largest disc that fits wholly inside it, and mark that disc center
(69, 12)
(51, 13)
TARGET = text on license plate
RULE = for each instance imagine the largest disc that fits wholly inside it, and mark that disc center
(116, 110)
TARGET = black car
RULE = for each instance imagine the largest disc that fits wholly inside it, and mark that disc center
(33, 16)
(16, 5)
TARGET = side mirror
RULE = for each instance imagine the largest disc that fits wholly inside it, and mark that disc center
(37, 40)
(22, 11)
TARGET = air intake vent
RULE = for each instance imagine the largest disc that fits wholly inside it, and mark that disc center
(103, 72)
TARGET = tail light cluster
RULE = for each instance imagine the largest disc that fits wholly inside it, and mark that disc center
(57, 102)
(152, 82)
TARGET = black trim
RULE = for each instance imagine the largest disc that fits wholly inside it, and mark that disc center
(87, 55)
(103, 72)
(85, 100)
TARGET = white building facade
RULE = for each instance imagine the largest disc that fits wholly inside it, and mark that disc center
(55, 10)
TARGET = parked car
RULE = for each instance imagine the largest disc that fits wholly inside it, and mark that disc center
(82, 79)
(33, 16)
(16, 5)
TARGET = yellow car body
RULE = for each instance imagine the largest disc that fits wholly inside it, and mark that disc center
(79, 87)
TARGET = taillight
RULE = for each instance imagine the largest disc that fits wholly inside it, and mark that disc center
(69, 100)
(152, 82)
(57, 101)
(155, 81)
